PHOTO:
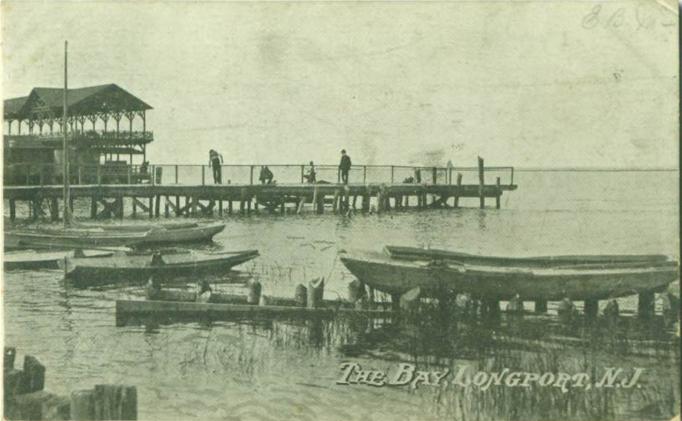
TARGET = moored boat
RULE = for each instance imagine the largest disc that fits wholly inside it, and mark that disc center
(421, 254)
(44, 238)
(187, 234)
(498, 282)
(37, 259)
(138, 227)
(71, 238)
(139, 267)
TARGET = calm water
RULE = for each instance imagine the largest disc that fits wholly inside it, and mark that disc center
(287, 371)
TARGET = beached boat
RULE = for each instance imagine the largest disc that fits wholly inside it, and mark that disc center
(420, 254)
(35, 259)
(84, 272)
(72, 238)
(498, 282)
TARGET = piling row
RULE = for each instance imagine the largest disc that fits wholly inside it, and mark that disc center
(25, 399)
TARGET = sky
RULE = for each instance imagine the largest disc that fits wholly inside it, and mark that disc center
(524, 83)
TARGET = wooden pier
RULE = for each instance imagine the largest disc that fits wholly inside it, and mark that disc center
(107, 201)
(444, 189)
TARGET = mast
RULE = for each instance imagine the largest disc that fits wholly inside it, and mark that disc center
(67, 192)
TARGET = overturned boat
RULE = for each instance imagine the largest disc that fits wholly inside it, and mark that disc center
(138, 267)
(503, 282)
(421, 254)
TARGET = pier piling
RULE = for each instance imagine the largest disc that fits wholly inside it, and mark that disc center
(645, 304)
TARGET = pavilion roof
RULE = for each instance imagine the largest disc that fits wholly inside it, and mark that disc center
(80, 101)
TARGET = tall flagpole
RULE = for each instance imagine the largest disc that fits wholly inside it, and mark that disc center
(67, 193)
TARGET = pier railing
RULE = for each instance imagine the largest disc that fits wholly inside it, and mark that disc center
(247, 174)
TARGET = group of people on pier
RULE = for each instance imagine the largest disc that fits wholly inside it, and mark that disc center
(266, 176)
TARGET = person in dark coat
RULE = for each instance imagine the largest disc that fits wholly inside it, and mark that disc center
(215, 160)
(311, 177)
(266, 175)
(344, 166)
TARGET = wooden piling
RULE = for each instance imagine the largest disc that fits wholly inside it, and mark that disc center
(481, 182)
(300, 295)
(34, 374)
(254, 292)
(645, 304)
(150, 209)
(115, 402)
(459, 189)
(12, 209)
(541, 306)
(315, 293)
(498, 196)
(93, 207)
(157, 209)
(82, 405)
(591, 309)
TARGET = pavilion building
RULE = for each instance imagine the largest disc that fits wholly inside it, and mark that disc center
(106, 130)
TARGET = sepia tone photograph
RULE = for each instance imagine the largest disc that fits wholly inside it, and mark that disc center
(420, 210)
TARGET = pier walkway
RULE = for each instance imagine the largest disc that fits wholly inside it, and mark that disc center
(201, 199)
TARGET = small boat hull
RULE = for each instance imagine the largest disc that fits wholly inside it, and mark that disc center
(419, 254)
(192, 234)
(138, 268)
(398, 277)
(31, 259)
(71, 239)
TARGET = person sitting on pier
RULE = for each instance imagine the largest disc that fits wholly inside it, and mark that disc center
(265, 175)
(344, 166)
(205, 291)
(215, 160)
(144, 167)
(311, 176)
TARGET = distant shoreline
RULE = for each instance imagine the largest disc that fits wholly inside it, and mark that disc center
(578, 169)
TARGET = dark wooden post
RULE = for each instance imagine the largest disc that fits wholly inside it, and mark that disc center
(498, 197)
(157, 209)
(541, 306)
(254, 293)
(645, 304)
(115, 402)
(591, 309)
(481, 182)
(364, 174)
(315, 293)
(459, 189)
(300, 295)
(392, 174)
(12, 209)
(82, 405)
(176, 174)
(302, 174)
(251, 175)
(203, 175)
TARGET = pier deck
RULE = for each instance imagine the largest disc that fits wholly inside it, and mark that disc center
(107, 200)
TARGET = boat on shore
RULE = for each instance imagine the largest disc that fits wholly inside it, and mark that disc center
(421, 254)
(138, 227)
(38, 259)
(138, 267)
(392, 276)
(97, 237)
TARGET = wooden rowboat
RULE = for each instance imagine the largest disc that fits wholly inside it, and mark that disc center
(73, 238)
(138, 227)
(32, 259)
(502, 283)
(420, 254)
(85, 272)
(187, 234)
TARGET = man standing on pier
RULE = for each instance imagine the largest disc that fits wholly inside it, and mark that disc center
(215, 160)
(344, 166)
